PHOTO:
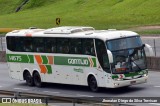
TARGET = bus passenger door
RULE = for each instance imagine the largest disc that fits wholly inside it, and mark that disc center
(103, 61)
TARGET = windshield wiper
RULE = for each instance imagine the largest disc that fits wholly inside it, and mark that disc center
(135, 63)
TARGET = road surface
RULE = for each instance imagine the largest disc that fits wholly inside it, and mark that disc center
(149, 89)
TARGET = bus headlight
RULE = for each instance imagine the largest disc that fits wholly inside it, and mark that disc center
(145, 75)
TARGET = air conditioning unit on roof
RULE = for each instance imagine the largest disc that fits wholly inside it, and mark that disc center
(67, 30)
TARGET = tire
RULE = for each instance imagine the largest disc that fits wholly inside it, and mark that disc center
(92, 83)
(37, 79)
(29, 79)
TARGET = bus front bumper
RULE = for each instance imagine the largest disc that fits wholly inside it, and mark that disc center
(122, 83)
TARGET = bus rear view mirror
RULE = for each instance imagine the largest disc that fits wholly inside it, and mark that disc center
(110, 56)
(143, 45)
(150, 49)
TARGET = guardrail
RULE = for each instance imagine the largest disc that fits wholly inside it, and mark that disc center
(154, 43)
(2, 42)
(57, 99)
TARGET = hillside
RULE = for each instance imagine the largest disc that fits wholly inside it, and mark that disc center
(8, 6)
(101, 14)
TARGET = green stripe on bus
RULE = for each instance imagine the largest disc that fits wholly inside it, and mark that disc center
(114, 76)
(45, 59)
(58, 60)
(73, 61)
(49, 68)
(94, 61)
(31, 58)
(18, 58)
(131, 74)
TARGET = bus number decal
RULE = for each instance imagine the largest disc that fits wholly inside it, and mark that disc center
(15, 58)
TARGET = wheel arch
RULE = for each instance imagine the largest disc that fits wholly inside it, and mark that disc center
(92, 74)
(35, 71)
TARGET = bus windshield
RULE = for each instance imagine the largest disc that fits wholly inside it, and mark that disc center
(128, 55)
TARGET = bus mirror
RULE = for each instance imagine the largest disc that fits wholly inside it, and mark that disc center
(110, 56)
(150, 49)
(143, 45)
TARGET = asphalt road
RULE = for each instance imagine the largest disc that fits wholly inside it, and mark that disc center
(149, 89)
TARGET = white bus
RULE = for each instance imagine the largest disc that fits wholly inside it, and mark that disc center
(78, 56)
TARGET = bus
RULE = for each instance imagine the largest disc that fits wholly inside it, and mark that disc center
(77, 55)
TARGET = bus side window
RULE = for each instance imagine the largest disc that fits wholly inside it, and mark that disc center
(62, 45)
(88, 47)
(38, 44)
(102, 55)
(11, 43)
(28, 44)
(50, 45)
(75, 46)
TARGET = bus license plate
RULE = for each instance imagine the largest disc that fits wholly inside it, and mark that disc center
(133, 82)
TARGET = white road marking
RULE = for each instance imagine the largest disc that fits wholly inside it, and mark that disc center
(155, 104)
(157, 86)
(84, 95)
(50, 92)
(22, 89)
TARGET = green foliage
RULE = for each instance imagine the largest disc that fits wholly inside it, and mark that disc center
(9, 6)
(38, 3)
(101, 14)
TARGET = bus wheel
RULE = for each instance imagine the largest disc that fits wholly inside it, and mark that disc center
(29, 79)
(37, 79)
(93, 83)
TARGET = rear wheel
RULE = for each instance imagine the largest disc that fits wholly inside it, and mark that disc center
(29, 79)
(93, 84)
(37, 79)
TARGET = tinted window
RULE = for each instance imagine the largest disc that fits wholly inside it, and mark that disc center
(124, 43)
(39, 44)
(62, 45)
(10, 43)
(28, 44)
(88, 47)
(75, 46)
(50, 45)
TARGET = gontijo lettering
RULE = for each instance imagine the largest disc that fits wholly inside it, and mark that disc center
(78, 61)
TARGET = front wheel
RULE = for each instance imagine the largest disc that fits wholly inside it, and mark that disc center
(37, 79)
(93, 84)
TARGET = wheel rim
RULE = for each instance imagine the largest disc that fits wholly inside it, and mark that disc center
(37, 80)
(28, 78)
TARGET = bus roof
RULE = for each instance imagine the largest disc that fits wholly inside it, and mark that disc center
(73, 32)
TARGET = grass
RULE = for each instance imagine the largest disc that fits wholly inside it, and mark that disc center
(9, 6)
(149, 32)
(101, 14)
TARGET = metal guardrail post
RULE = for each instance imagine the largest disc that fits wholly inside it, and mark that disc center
(154, 46)
(1, 45)
(46, 101)
(16, 95)
(74, 102)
